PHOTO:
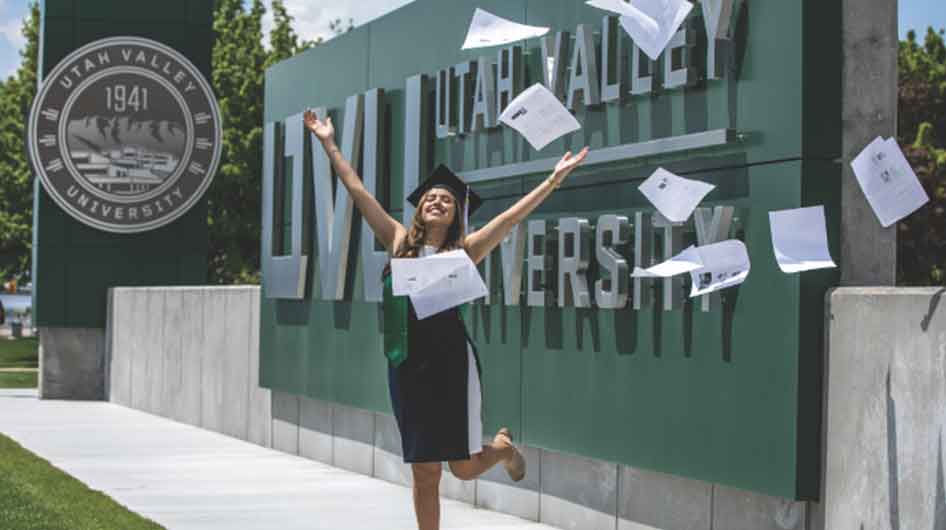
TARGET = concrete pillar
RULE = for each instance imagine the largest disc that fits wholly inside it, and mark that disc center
(869, 81)
(71, 363)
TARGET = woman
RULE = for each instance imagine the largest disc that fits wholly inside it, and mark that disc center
(435, 390)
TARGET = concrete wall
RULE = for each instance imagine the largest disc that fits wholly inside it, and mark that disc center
(559, 489)
(191, 354)
(72, 363)
(885, 409)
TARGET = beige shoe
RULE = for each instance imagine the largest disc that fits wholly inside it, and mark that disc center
(515, 466)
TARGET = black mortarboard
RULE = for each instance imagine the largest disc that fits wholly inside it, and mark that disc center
(443, 177)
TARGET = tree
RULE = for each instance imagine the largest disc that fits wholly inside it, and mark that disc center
(283, 40)
(239, 63)
(921, 255)
(16, 175)
(336, 27)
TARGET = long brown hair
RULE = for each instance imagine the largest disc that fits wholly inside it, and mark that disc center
(411, 245)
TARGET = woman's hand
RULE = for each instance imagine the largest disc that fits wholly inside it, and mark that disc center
(323, 130)
(567, 164)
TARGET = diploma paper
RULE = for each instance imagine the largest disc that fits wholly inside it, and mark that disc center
(410, 275)
(686, 261)
(438, 282)
(459, 287)
(800, 239)
(539, 116)
(651, 23)
(888, 181)
(725, 264)
(486, 29)
(675, 197)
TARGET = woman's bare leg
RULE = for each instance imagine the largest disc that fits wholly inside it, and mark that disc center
(497, 451)
(427, 494)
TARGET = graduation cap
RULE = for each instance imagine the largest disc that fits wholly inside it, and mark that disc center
(442, 177)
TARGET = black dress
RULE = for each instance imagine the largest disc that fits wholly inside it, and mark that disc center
(435, 392)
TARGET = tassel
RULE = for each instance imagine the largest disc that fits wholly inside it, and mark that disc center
(466, 212)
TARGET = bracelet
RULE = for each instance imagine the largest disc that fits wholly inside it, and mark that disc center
(555, 182)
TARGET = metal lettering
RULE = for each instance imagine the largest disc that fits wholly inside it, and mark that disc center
(686, 75)
(539, 264)
(512, 251)
(642, 72)
(553, 62)
(334, 217)
(416, 136)
(509, 76)
(283, 276)
(643, 258)
(465, 74)
(612, 231)
(584, 78)
(672, 243)
(612, 61)
(717, 17)
(446, 115)
(484, 96)
(372, 261)
(574, 256)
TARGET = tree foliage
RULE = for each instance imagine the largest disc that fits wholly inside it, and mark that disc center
(239, 63)
(921, 255)
(16, 176)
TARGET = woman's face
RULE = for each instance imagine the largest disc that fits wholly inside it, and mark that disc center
(438, 207)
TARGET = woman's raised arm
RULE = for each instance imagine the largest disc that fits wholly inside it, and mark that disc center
(385, 228)
(480, 243)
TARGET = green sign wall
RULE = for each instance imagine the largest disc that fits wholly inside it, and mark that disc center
(730, 395)
(74, 264)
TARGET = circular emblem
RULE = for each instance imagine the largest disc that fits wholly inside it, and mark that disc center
(125, 134)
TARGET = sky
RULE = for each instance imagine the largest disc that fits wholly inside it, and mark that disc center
(312, 19)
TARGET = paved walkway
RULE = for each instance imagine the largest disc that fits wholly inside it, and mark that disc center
(188, 478)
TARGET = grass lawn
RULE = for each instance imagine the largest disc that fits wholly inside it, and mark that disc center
(17, 380)
(34, 495)
(19, 353)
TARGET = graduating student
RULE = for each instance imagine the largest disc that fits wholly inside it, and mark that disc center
(433, 369)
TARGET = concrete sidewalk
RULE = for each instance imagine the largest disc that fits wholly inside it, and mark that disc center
(184, 477)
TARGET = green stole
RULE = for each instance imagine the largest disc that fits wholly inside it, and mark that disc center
(395, 325)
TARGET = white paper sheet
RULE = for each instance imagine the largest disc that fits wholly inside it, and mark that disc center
(410, 275)
(539, 116)
(437, 282)
(459, 287)
(888, 181)
(683, 262)
(486, 29)
(800, 239)
(675, 197)
(725, 264)
(651, 23)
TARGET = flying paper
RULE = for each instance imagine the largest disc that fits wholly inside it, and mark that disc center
(686, 261)
(438, 282)
(539, 116)
(800, 239)
(486, 29)
(651, 23)
(888, 181)
(675, 197)
(725, 264)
